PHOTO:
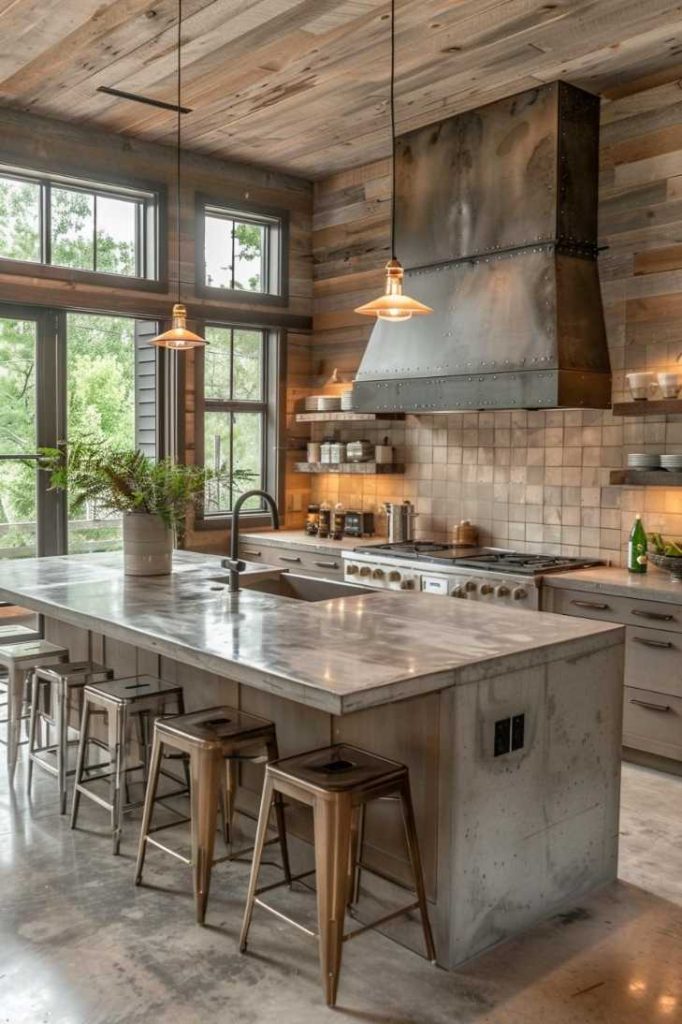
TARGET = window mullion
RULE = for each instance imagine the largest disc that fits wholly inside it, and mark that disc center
(46, 240)
(232, 261)
(94, 232)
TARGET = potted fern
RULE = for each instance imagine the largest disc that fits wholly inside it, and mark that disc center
(153, 497)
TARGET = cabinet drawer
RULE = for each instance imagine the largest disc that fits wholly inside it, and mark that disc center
(627, 610)
(653, 657)
(308, 563)
(652, 721)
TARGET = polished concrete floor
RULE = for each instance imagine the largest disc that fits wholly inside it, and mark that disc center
(79, 944)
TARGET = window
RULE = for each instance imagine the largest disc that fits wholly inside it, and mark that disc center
(242, 251)
(99, 380)
(111, 392)
(78, 225)
(236, 416)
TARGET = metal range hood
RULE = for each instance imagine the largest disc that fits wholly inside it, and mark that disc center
(497, 229)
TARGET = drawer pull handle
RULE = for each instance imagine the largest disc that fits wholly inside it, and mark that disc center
(650, 706)
(294, 559)
(327, 565)
(591, 604)
(251, 554)
(657, 616)
(653, 643)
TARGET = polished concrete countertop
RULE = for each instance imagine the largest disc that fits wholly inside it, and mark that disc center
(653, 585)
(298, 540)
(338, 656)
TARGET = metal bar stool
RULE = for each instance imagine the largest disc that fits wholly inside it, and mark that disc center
(337, 782)
(11, 634)
(21, 660)
(57, 683)
(122, 700)
(216, 741)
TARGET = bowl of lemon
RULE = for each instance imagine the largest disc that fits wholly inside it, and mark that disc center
(666, 554)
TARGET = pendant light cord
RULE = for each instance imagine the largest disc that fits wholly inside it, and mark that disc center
(392, 108)
(178, 152)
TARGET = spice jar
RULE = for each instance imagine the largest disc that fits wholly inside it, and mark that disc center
(312, 522)
(325, 522)
(338, 522)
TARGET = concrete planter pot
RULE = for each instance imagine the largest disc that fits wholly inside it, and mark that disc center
(147, 545)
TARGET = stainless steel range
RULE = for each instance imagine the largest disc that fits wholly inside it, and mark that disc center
(476, 574)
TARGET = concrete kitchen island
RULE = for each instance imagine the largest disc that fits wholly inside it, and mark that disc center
(506, 840)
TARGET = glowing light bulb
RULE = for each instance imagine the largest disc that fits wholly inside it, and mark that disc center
(393, 306)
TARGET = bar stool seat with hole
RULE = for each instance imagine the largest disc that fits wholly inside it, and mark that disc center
(20, 661)
(216, 740)
(140, 699)
(337, 782)
(57, 683)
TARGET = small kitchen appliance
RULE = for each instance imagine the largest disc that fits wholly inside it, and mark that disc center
(359, 524)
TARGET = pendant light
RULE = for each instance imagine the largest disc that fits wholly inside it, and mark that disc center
(178, 337)
(393, 305)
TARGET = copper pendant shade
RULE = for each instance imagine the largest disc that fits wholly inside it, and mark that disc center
(393, 305)
(178, 337)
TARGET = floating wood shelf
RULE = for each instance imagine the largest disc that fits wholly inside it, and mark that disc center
(662, 407)
(646, 478)
(347, 417)
(361, 468)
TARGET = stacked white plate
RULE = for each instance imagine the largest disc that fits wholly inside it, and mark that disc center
(671, 462)
(644, 461)
(323, 403)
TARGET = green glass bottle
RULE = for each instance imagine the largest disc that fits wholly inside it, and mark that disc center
(637, 547)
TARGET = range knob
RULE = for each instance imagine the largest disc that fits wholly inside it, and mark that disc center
(502, 591)
(487, 588)
(407, 585)
(378, 574)
(459, 592)
(365, 570)
(394, 576)
(470, 585)
(519, 593)
(351, 570)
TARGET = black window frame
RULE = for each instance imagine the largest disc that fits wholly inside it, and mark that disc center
(151, 228)
(52, 406)
(276, 256)
(272, 408)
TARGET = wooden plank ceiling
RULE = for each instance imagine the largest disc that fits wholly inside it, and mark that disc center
(302, 84)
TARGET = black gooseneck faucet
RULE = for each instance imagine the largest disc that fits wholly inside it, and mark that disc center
(234, 564)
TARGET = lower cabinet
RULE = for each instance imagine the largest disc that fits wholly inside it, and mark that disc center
(652, 721)
(305, 563)
(652, 713)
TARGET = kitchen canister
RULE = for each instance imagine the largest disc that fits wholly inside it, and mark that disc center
(400, 518)
(383, 453)
(465, 533)
(337, 453)
(314, 451)
(360, 451)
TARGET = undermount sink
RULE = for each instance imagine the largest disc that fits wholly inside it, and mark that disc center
(297, 588)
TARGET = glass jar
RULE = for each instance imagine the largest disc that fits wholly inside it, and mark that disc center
(325, 522)
(312, 522)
